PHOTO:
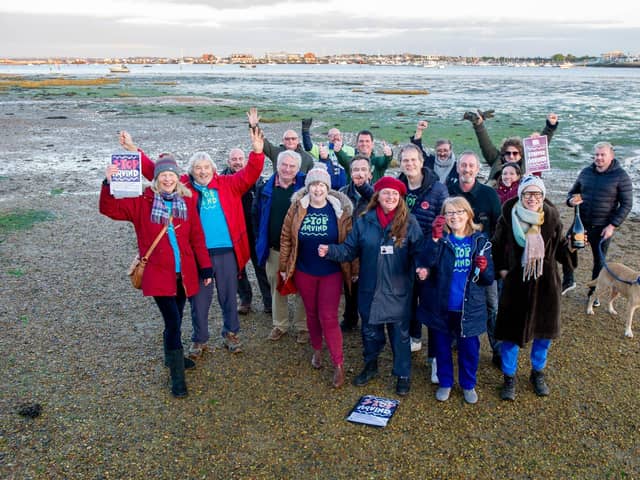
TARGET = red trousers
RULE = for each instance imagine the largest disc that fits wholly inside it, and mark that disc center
(321, 298)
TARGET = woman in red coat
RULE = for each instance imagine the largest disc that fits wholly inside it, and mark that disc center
(178, 261)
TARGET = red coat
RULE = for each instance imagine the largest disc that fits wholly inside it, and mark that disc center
(230, 188)
(159, 277)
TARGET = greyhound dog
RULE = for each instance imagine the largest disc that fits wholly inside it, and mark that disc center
(626, 284)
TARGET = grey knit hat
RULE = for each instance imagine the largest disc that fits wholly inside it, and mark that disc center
(166, 163)
(318, 174)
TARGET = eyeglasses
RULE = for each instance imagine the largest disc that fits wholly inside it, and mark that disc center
(511, 153)
(536, 195)
(290, 138)
(459, 213)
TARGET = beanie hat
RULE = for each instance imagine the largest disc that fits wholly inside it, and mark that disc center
(390, 182)
(318, 174)
(531, 181)
(166, 163)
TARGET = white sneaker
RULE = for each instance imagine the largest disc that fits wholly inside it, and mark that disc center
(416, 344)
(442, 394)
(431, 362)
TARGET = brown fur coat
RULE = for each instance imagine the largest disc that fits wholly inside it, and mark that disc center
(530, 309)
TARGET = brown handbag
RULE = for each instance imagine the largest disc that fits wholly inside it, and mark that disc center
(136, 270)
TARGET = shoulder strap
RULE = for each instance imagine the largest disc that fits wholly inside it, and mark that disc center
(155, 241)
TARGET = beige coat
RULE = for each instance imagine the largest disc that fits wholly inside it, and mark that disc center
(289, 236)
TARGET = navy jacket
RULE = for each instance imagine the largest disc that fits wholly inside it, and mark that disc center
(431, 195)
(439, 258)
(261, 214)
(608, 196)
(386, 280)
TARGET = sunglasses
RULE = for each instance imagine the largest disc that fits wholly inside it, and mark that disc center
(511, 153)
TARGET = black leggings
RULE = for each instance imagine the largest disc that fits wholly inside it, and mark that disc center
(171, 309)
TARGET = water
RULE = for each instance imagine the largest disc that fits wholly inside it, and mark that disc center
(594, 104)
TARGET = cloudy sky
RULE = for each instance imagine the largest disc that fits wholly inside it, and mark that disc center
(451, 27)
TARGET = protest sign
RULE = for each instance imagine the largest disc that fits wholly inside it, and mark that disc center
(372, 410)
(127, 182)
(536, 154)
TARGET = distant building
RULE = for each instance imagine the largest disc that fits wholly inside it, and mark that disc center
(242, 58)
(310, 58)
(276, 57)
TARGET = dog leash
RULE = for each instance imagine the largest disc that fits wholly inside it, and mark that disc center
(604, 263)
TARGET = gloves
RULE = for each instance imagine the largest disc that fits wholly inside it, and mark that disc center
(437, 227)
(306, 123)
(475, 118)
(481, 263)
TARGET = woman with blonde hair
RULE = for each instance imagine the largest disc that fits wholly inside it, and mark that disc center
(166, 210)
(453, 299)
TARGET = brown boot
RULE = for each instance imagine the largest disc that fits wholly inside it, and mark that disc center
(338, 376)
(316, 360)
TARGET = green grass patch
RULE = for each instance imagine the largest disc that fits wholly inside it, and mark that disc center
(16, 272)
(22, 220)
(57, 191)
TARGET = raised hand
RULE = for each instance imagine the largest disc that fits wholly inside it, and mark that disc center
(257, 139)
(126, 141)
(386, 149)
(552, 118)
(253, 117)
(306, 123)
(337, 145)
(422, 125)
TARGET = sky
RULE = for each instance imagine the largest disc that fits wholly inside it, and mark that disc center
(171, 28)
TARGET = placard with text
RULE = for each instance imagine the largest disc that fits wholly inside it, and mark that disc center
(127, 182)
(536, 154)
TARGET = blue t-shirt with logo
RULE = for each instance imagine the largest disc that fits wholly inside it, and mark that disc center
(319, 226)
(214, 223)
(461, 269)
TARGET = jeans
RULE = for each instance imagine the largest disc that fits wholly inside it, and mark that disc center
(539, 351)
(373, 340)
(225, 274)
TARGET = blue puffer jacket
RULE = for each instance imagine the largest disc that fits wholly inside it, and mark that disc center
(608, 195)
(386, 281)
(431, 195)
(439, 258)
(261, 213)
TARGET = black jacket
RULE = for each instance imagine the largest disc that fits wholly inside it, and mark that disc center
(608, 196)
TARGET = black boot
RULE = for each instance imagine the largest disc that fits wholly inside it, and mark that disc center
(176, 369)
(188, 363)
(539, 385)
(508, 391)
(403, 386)
(369, 372)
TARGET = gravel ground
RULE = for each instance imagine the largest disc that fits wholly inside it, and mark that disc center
(79, 341)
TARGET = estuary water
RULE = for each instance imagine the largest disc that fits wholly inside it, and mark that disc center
(594, 104)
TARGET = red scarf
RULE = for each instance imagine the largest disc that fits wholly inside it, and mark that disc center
(385, 218)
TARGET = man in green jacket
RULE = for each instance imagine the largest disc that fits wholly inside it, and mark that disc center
(364, 146)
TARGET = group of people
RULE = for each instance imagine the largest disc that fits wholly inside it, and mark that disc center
(434, 246)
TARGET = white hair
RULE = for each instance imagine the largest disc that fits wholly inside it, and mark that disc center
(200, 157)
(291, 154)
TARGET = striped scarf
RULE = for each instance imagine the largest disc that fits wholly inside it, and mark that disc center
(159, 212)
